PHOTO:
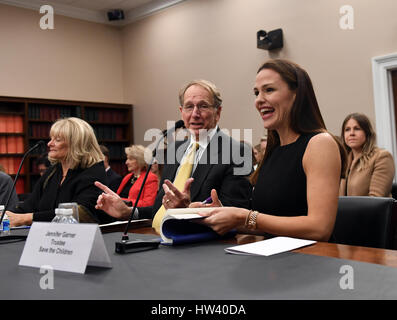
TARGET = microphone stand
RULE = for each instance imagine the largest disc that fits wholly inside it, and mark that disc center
(126, 246)
(14, 238)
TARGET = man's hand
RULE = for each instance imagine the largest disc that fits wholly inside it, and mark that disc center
(173, 198)
(111, 203)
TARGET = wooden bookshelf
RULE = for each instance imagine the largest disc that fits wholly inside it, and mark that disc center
(25, 121)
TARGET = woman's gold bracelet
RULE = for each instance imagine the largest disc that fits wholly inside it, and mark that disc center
(250, 222)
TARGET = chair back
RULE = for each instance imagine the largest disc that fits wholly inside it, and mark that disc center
(394, 190)
(366, 221)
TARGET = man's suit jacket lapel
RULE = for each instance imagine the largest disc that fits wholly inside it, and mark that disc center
(177, 150)
(173, 165)
(204, 166)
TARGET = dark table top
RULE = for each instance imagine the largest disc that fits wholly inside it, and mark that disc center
(199, 272)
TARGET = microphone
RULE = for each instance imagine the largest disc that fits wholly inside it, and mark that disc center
(165, 132)
(127, 246)
(178, 124)
(41, 143)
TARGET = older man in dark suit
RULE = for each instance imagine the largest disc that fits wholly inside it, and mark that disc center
(219, 162)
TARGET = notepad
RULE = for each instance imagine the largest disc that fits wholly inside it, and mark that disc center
(185, 213)
(179, 226)
(270, 247)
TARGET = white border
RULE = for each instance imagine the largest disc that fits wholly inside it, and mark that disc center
(384, 104)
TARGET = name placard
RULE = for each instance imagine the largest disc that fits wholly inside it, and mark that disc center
(65, 247)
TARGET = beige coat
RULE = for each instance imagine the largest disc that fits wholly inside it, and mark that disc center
(374, 180)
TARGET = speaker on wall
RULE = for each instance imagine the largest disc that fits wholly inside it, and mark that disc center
(269, 40)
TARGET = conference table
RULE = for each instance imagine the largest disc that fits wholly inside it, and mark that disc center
(205, 272)
(364, 254)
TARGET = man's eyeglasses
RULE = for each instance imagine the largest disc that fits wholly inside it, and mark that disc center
(201, 107)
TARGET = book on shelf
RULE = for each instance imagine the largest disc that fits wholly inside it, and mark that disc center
(106, 132)
(3, 121)
(39, 130)
(10, 123)
(25, 121)
(20, 186)
(119, 134)
(3, 144)
(11, 164)
(91, 114)
(44, 114)
(19, 142)
(18, 124)
(182, 225)
(11, 144)
(101, 115)
(4, 163)
(17, 161)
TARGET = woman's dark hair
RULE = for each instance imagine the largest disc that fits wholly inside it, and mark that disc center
(365, 124)
(305, 116)
(370, 137)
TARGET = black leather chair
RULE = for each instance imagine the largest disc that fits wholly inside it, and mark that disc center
(367, 222)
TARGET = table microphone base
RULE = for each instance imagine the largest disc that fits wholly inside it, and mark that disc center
(129, 246)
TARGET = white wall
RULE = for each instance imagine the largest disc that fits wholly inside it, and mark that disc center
(77, 60)
(216, 40)
(146, 63)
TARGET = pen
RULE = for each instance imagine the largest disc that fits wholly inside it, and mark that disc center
(208, 200)
(20, 227)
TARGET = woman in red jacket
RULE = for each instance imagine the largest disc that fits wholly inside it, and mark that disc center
(132, 182)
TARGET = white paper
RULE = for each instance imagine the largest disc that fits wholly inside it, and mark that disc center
(116, 223)
(65, 247)
(270, 246)
(185, 216)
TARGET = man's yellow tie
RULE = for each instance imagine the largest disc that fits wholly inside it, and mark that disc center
(184, 173)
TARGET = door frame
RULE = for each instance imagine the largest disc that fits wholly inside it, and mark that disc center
(384, 103)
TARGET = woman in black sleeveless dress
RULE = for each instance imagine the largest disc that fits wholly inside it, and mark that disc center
(297, 182)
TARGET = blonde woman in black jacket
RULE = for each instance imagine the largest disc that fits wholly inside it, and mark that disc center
(77, 162)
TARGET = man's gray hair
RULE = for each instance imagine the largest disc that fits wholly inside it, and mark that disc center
(207, 85)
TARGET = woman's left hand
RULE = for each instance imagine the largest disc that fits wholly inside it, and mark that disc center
(20, 219)
(224, 219)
